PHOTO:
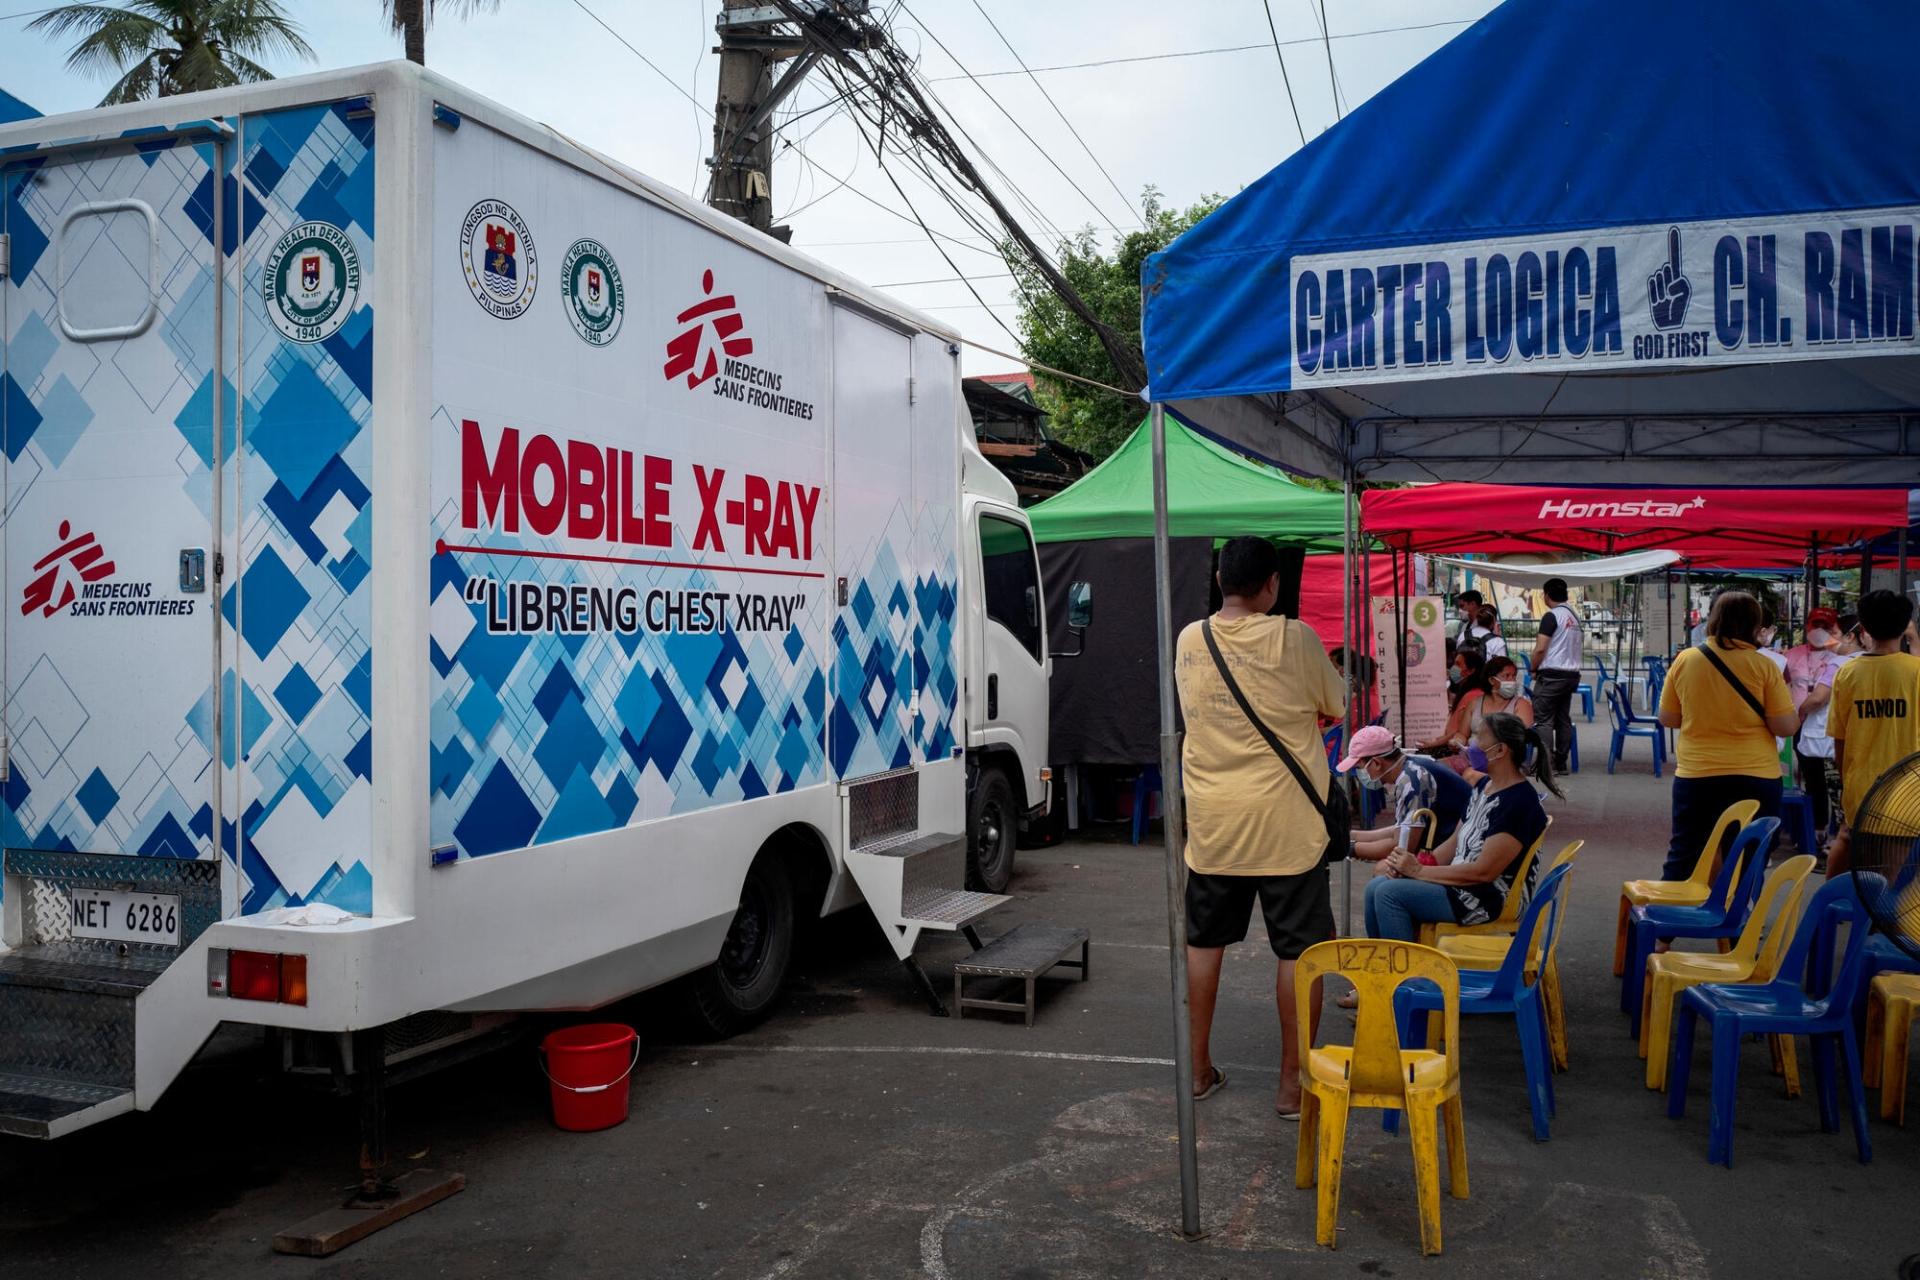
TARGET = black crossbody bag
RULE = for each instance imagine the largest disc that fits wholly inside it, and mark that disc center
(1334, 811)
(1746, 695)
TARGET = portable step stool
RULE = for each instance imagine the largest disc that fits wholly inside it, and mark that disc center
(1023, 954)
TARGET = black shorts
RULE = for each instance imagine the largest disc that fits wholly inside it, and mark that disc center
(1299, 909)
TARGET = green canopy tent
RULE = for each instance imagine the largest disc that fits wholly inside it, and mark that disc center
(1100, 531)
(1214, 493)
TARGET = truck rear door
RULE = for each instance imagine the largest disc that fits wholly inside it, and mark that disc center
(109, 317)
(111, 465)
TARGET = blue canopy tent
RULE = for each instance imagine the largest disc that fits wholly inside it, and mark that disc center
(1586, 242)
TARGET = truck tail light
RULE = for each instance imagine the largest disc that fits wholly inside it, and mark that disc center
(253, 975)
(261, 975)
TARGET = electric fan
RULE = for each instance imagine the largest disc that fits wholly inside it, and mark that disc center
(1886, 854)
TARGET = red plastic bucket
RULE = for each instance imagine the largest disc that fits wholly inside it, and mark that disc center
(587, 1067)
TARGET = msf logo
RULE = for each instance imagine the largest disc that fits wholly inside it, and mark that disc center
(710, 323)
(82, 556)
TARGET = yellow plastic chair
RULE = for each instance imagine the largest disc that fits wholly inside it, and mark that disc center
(1755, 958)
(1509, 917)
(1488, 951)
(1891, 1001)
(1690, 892)
(1374, 1071)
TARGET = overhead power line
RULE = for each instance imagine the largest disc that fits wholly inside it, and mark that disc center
(1058, 112)
(901, 284)
(1333, 77)
(1045, 154)
(888, 209)
(677, 86)
(1202, 53)
(897, 99)
(1284, 78)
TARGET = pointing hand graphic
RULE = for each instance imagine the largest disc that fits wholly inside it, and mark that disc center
(1668, 292)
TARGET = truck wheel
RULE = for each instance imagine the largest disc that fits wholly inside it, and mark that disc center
(993, 827)
(744, 984)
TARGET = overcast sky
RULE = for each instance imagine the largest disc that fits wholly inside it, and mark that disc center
(1189, 125)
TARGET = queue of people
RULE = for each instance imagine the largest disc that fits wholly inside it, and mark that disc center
(1264, 819)
(1736, 703)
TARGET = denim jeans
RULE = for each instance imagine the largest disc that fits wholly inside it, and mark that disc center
(1396, 908)
(1698, 804)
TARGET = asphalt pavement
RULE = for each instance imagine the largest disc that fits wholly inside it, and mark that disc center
(855, 1136)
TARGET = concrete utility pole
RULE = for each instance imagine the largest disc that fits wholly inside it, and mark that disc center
(755, 38)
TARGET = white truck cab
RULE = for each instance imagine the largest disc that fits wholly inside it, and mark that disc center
(1007, 673)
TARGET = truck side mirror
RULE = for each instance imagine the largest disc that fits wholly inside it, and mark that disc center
(1080, 605)
(1079, 616)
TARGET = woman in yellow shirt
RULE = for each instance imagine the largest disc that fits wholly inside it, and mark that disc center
(1726, 752)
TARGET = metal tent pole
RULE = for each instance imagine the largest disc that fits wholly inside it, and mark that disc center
(1901, 584)
(1633, 642)
(1172, 811)
(1359, 622)
(1813, 580)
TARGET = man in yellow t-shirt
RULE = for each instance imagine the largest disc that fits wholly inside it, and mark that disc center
(1874, 718)
(1251, 829)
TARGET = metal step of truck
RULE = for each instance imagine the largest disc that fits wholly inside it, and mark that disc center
(932, 875)
(66, 1035)
(949, 908)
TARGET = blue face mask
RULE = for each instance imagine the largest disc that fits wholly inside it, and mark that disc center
(1477, 758)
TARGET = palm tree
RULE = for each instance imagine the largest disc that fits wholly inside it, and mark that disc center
(411, 18)
(164, 47)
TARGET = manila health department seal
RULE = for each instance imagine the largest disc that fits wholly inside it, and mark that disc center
(591, 287)
(311, 281)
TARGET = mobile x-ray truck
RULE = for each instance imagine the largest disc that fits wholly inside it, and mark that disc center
(414, 515)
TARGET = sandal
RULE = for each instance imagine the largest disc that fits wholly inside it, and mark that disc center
(1351, 1000)
(1293, 1115)
(1218, 1083)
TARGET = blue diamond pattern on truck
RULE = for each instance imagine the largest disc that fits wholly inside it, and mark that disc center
(542, 738)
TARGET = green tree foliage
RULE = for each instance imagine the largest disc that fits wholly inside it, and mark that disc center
(159, 48)
(1089, 419)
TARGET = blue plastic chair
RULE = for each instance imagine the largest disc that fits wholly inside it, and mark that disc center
(1573, 747)
(1782, 1007)
(1605, 678)
(1882, 955)
(1628, 725)
(1736, 887)
(1585, 691)
(1656, 682)
(1146, 785)
(1503, 990)
(1335, 732)
(1796, 814)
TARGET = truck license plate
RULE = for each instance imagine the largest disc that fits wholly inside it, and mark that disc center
(126, 917)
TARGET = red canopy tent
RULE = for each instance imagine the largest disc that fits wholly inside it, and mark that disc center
(1323, 594)
(1709, 527)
